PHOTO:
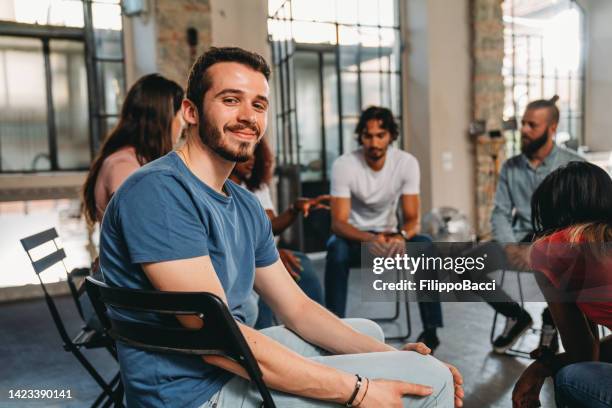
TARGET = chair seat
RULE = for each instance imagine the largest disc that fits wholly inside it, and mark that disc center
(90, 338)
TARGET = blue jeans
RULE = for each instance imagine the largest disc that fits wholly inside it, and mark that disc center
(309, 283)
(395, 365)
(584, 385)
(341, 255)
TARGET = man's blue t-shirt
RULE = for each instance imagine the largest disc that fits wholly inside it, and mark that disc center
(164, 212)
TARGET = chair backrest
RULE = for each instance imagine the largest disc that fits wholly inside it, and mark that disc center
(219, 334)
(36, 240)
(43, 264)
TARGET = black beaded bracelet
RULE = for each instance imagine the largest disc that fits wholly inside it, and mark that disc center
(350, 401)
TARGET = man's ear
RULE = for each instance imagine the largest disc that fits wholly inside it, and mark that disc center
(552, 128)
(189, 112)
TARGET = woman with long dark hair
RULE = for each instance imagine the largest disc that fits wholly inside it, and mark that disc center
(149, 125)
(572, 218)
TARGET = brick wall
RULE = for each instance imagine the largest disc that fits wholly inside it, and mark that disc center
(173, 17)
(487, 103)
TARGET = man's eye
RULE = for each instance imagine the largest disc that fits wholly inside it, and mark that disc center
(260, 106)
(230, 100)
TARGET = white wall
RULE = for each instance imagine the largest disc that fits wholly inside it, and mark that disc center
(598, 84)
(140, 42)
(242, 24)
(437, 105)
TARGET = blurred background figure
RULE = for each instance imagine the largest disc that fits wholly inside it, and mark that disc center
(149, 126)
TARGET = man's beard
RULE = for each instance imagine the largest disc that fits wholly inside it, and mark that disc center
(375, 154)
(214, 139)
(529, 148)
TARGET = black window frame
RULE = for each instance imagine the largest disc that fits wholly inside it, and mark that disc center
(96, 101)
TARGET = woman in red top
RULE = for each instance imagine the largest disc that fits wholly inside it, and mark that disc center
(572, 218)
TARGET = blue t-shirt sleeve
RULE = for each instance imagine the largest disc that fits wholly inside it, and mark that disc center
(159, 221)
(265, 249)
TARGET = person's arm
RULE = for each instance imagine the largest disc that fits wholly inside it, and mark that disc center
(318, 326)
(340, 211)
(283, 369)
(501, 217)
(411, 205)
(307, 318)
(579, 340)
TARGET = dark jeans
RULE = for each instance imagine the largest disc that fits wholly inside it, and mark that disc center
(584, 385)
(309, 283)
(502, 302)
(341, 255)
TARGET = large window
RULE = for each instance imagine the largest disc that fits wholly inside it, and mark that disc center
(332, 58)
(61, 81)
(544, 57)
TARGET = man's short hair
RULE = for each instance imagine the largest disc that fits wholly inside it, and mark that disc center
(377, 113)
(199, 81)
(549, 104)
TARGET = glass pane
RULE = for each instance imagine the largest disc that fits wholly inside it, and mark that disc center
(109, 123)
(70, 103)
(349, 44)
(24, 134)
(108, 44)
(395, 93)
(111, 86)
(106, 16)
(346, 12)
(370, 90)
(350, 97)
(309, 115)
(316, 10)
(314, 33)
(388, 15)
(368, 12)
(330, 106)
(68, 13)
(273, 6)
(393, 50)
(348, 134)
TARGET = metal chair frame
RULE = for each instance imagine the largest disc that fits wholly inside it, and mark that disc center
(87, 337)
(219, 336)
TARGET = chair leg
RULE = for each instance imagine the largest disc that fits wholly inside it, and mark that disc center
(406, 302)
(107, 389)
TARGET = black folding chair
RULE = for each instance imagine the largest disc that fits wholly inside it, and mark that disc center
(88, 337)
(218, 336)
(401, 275)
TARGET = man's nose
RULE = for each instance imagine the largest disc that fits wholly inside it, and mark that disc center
(247, 115)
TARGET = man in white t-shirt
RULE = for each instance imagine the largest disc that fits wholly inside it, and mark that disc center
(367, 185)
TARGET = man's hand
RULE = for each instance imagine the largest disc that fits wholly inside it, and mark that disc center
(378, 245)
(526, 393)
(421, 348)
(388, 393)
(305, 205)
(458, 380)
(292, 263)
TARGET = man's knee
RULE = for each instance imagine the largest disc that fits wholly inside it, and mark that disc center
(434, 373)
(338, 249)
(367, 327)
